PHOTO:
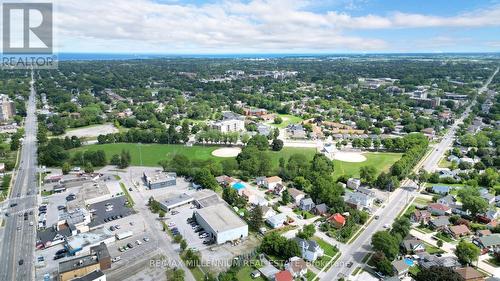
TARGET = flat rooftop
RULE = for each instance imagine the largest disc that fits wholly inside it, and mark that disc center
(177, 200)
(220, 217)
(77, 263)
(159, 176)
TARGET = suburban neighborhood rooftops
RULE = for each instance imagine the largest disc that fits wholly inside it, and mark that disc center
(295, 192)
(437, 206)
(206, 197)
(284, 275)
(400, 265)
(220, 217)
(338, 218)
(490, 240)
(273, 179)
(440, 221)
(460, 229)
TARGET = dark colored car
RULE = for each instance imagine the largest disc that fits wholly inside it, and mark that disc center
(21, 262)
(61, 251)
(13, 205)
(56, 257)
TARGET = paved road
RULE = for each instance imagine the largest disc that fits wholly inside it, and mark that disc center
(18, 242)
(357, 250)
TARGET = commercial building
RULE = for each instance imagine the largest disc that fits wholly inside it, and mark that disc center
(221, 223)
(78, 267)
(93, 276)
(7, 108)
(159, 179)
(84, 242)
(176, 201)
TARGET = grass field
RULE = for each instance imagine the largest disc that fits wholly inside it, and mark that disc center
(244, 274)
(151, 154)
(287, 120)
(382, 161)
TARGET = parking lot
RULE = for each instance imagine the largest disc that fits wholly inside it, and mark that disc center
(111, 209)
(185, 229)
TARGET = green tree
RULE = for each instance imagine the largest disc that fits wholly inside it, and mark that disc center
(438, 273)
(467, 252)
(66, 168)
(307, 231)
(88, 168)
(368, 174)
(277, 145)
(386, 243)
(183, 245)
(256, 220)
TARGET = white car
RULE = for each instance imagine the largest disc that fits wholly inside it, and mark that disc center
(115, 259)
(387, 226)
(138, 242)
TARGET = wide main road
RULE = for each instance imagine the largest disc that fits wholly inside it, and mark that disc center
(357, 250)
(17, 247)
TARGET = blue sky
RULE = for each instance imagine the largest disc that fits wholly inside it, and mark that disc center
(277, 26)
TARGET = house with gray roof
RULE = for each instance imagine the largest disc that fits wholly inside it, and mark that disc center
(489, 242)
(306, 204)
(439, 223)
(309, 249)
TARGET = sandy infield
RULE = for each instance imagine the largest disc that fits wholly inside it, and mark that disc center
(226, 152)
(349, 156)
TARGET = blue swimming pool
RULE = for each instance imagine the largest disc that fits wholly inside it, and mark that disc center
(409, 262)
(238, 185)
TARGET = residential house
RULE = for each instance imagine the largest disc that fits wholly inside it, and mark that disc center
(413, 245)
(267, 212)
(306, 204)
(321, 209)
(426, 261)
(277, 221)
(337, 220)
(419, 216)
(490, 198)
(400, 268)
(483, 232)
(439, 223)
(269, 182)
(488, 242)
(492, 214)
(359, 200)
(458, 231)
(470, 274)
(353, 183)
(278, 189)
(284, 275)
(297, 267)
(310, 249)
(447, 200)
(438, 209)
(441, 189)
(296, 131)
(2, 167)
(296, 195)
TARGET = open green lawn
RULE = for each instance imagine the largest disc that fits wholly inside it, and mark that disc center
(244, 274)
(151, 154)
(288, 120)
(327, 248)
(382, 161)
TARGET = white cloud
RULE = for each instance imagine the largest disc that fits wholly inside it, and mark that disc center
(231, 26)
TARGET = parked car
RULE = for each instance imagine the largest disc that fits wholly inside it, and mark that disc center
(21, 262)
(130, 245)
(56, 257)
(146, 239)
(138, 242)
(61, 251)
(13, 205)
(115, 259)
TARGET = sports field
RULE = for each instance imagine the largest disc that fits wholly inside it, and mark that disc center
(382, 161)
(151, 154)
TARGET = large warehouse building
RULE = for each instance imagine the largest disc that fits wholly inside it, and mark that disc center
(221, 223)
